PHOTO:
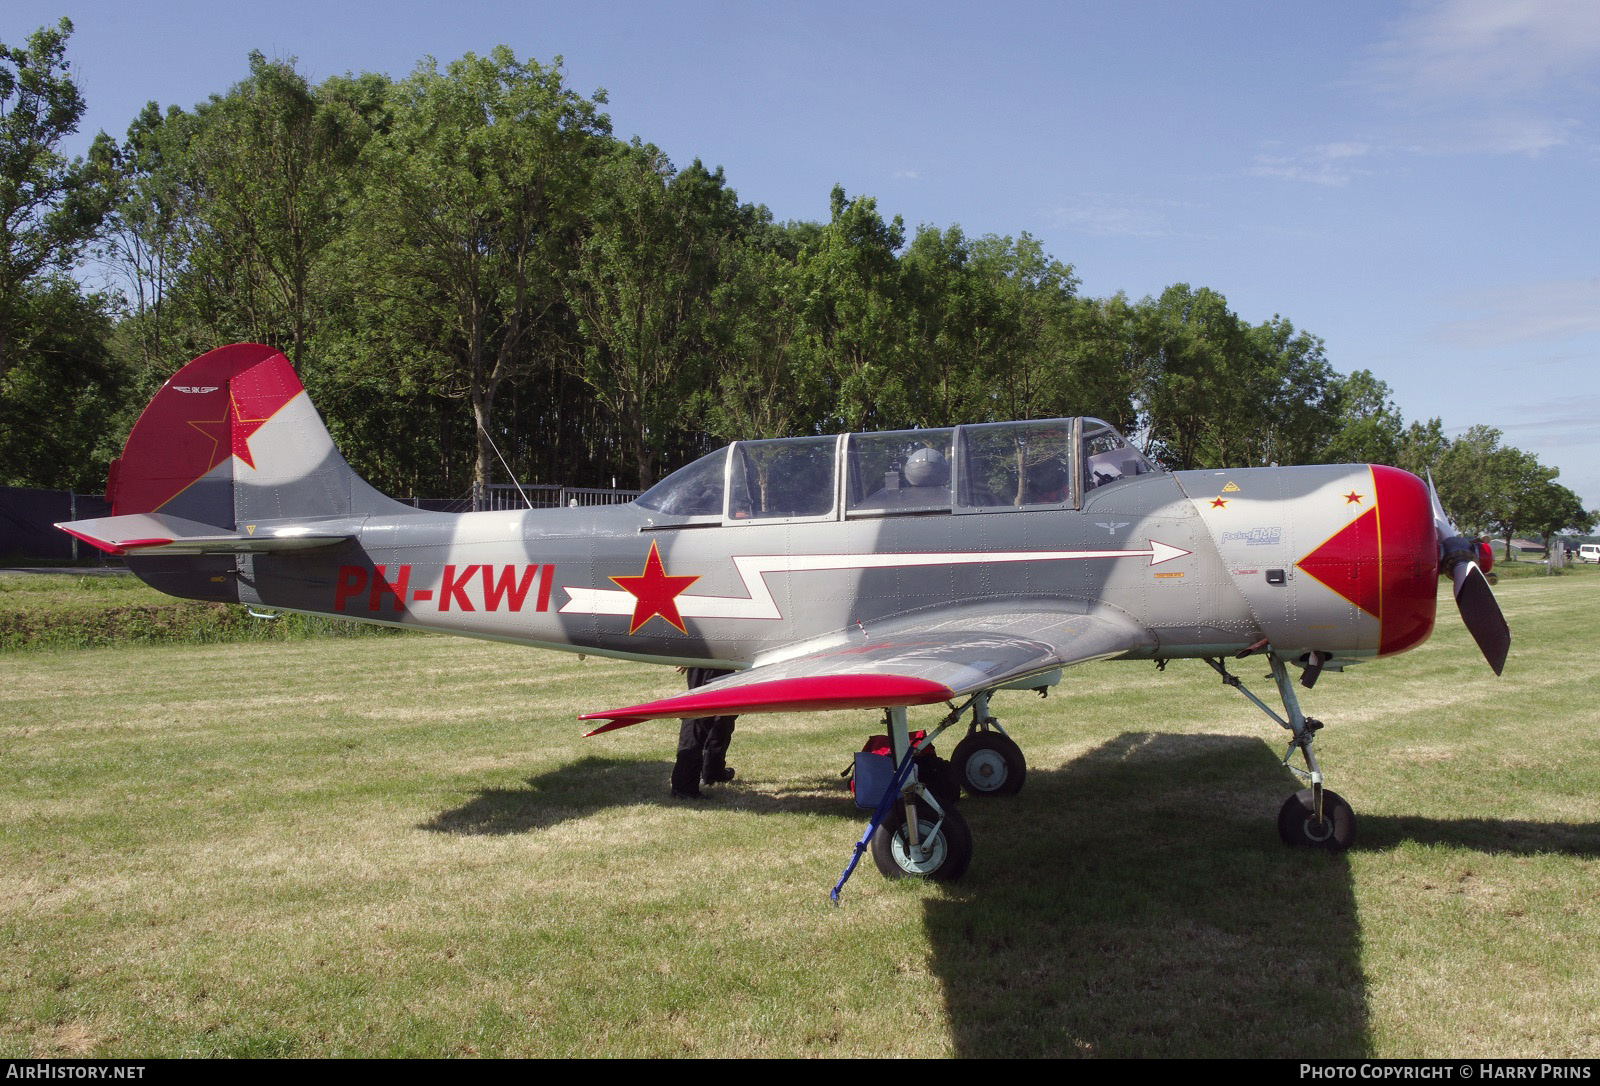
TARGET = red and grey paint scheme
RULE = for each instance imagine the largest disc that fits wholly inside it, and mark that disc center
(876, 570)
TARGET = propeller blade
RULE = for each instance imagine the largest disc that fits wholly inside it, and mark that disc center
(1441, 519)
(1474, 598)
(1481, 612)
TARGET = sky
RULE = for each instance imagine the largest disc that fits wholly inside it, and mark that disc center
(1417, 183)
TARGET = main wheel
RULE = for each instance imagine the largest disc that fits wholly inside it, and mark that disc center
(945, 855)
(989, 764)
(1297, 823)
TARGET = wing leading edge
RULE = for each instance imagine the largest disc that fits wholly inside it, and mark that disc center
(917, 662)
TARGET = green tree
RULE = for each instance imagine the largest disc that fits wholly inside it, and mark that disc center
(1556, 509)
(996, 319)
(766, 383)
(1462, 473)
(643, 276)
(950, 312)
(1370, 428)
(1422, 446)
(269, 174)
(1486, 487)
(50, 206)
(855, 313)
(143, 245)
(59, 406)
(1290, 414)
(1522, 494)
(1195, 387)
(1104, 362)
(57, 384)
(473, 198)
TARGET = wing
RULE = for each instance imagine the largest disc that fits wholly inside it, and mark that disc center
(919, 661)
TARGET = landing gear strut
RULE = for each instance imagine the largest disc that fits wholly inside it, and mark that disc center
(911, 832)
(1314, 817)
(988, 762)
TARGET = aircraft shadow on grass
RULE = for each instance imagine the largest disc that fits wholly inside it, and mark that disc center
(1136, 902)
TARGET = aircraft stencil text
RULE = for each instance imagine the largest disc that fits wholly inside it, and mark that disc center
(1255, 537)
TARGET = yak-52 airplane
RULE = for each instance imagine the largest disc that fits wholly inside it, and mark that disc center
(868, 570)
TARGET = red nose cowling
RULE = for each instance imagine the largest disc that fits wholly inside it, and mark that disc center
(1408, 560)
(1386, 560)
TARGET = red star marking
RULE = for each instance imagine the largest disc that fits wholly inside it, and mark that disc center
(655, 593)
(1352, 498)
(1219, 503)
(230, 435)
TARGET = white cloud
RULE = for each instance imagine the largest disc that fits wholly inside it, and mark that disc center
(1536, 312)
(1487, 50)
(907, 175)
(1490, 76)
(1571, 418)
(1473, 77)
(1504, 132)
(1117, 215)
(1331, 164)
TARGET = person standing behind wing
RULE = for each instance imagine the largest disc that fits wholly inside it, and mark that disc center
(702, 745)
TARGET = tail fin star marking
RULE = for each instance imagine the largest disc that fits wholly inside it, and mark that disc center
(205, 416)
(230, 435)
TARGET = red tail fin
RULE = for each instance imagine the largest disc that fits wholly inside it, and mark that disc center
(232, 437)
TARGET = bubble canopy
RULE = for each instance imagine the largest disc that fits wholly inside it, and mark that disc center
(989, 467)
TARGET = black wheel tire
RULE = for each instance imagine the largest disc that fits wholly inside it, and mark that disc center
(949, 852)
(1298, 827)
(989, 764)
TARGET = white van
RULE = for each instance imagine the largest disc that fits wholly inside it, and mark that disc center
(1589, 552)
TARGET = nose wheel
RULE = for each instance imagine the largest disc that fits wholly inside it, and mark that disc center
(1313, 817)
(1299, 826)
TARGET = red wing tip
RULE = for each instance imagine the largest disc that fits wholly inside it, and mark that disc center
(811, 694)
(620, 722)
(114, 548)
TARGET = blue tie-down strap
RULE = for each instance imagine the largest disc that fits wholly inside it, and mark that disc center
(868, 776)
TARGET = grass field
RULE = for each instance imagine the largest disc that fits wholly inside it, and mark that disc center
(401, 846)
(44, 611)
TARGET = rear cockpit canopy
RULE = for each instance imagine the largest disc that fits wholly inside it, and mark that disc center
(991, 467)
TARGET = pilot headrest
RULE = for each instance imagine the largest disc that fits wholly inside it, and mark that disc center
(926, 467)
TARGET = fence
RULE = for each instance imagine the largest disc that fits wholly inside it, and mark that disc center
(546, 496)
(28, 522)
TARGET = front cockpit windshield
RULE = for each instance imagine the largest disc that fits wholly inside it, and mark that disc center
(782, 479)
(1016, 465)
(694, 491)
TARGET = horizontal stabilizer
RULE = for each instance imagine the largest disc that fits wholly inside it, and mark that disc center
(158, 533)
